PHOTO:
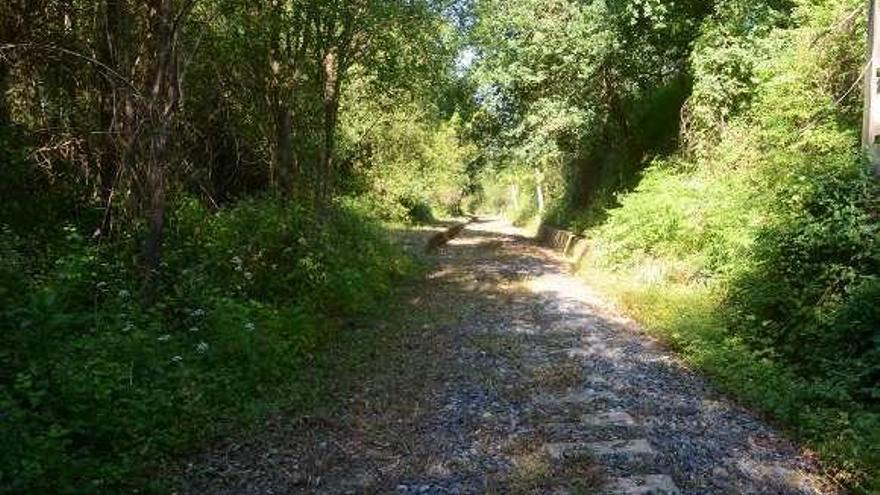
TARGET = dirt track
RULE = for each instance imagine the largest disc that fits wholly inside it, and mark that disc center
(501, 373)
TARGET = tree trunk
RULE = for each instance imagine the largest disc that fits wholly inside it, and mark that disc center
(871, 126)
(330, 72)
(5, 118)
(166, 95)
(283, 174)
(156, 219)
(514, 197)
(613, 104)
(108, 153)
(540, 194)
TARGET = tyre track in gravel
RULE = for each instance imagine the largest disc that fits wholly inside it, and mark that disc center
(503, 373)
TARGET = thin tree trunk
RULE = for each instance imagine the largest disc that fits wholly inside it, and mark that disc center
(612, 102)
(166, 98)
(108, 155)
(540, 193)
(5, 118)
(282, 164)
(283, 150)
(871, 126)
(331, 109)
(156, 219)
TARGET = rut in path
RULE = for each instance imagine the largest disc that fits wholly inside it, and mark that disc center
(508, 375)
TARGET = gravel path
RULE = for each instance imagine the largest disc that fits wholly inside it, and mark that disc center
(502, 373)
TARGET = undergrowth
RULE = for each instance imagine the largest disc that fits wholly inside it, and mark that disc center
(97, 389)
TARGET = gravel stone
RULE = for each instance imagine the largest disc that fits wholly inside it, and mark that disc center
(470, 390)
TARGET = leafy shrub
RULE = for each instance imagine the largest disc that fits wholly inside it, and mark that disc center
(417, 211)
(808, 285)
(93, 387)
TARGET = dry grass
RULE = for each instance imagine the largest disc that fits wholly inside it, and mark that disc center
(535, 472)
(500, 346)
(559, 377)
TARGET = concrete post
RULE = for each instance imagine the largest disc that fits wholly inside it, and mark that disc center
(871, 126)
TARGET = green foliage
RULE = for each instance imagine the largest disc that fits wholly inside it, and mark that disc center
(94, 387)
(807, 286)
(671, 215)
(409, 160)
(709, 150)
(724, 66)
(293, 130)
(271, 141)
(584, 93)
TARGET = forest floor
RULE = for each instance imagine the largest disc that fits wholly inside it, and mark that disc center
(500, 372)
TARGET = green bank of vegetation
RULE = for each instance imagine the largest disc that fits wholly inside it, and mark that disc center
(196, 197)
(195, 207)
(710, 153)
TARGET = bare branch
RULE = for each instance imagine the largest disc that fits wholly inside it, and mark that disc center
(38, 46)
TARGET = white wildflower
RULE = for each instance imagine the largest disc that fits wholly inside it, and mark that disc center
(238, 263)
(164, 338)
(198, 313)
(248, 275)
(249, 326)
(124, 294)
(176, 359)
(202, 347)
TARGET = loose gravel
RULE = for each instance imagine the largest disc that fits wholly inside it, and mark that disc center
(496, 359)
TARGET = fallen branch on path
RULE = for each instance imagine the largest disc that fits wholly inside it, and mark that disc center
(441, 238)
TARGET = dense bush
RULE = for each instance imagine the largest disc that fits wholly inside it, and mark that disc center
(93, 386)
(172, 264)
(809, 286)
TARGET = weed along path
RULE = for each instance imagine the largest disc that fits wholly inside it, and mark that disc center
(499, 372)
